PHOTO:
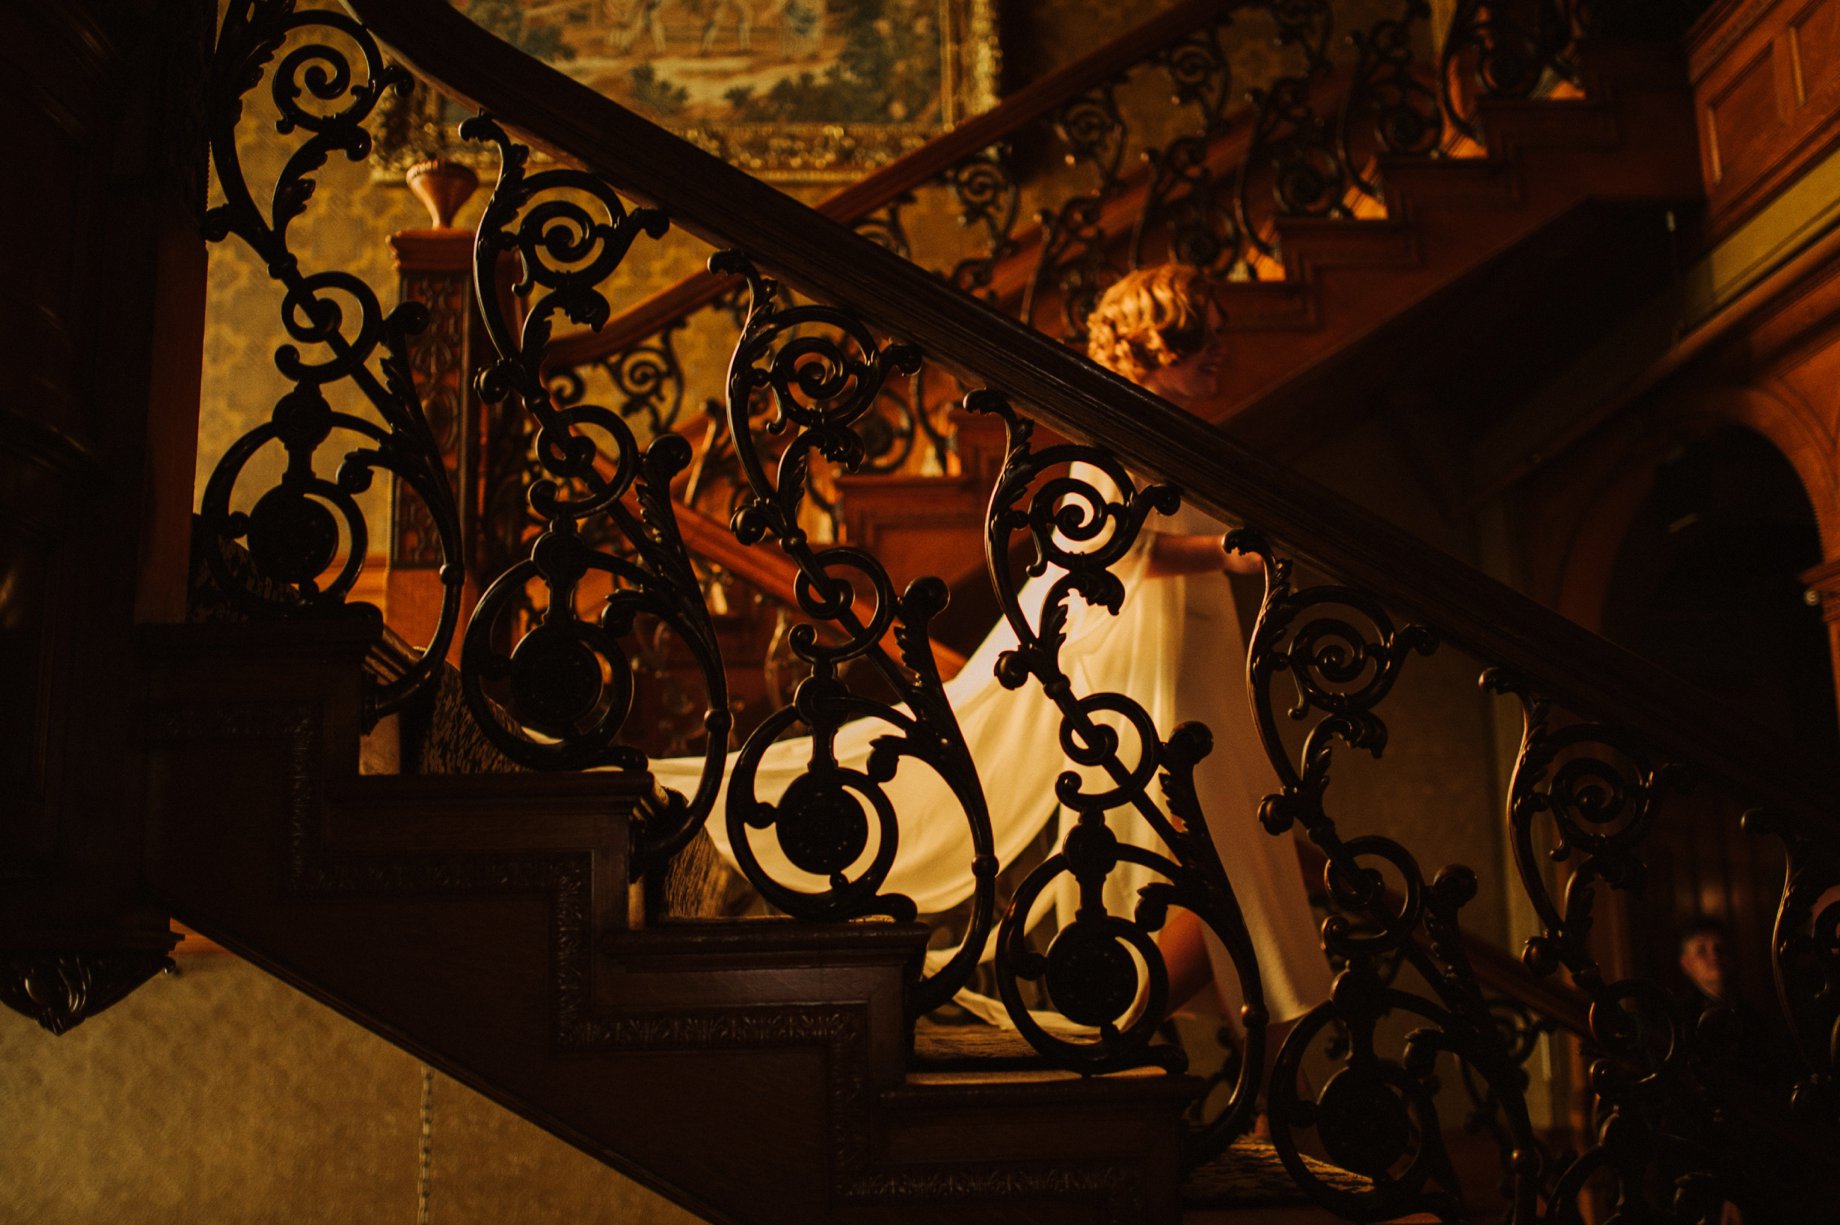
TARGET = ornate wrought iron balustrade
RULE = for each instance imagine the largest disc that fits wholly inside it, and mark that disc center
(548, 677)
(1076, 244)
(306, 533)
(1332, 94)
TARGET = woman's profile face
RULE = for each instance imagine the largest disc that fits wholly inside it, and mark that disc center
(1196, 378)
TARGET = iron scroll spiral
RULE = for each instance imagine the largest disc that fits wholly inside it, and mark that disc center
(1805, 955)
(1392, 107)
(647, 377)
(1187, 195)
(1377, 1114)
(1506, 51)
(1600, 791)
(1073, 257)
(555, 692)
(989, 197)
(820, 372)
(1103, 970)
(1293, 150)
(306, 535)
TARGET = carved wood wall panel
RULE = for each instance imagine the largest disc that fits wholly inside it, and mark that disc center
(1766, 84)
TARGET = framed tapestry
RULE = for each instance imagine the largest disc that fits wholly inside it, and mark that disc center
(805, 91)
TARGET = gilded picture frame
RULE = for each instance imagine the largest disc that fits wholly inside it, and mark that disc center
(794, 91)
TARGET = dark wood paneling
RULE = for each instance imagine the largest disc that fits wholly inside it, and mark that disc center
(1814, 42)
(53, 83)
(54, 88)
(1739, 116)
(1766, 85)
(27, 641)
(101, 305)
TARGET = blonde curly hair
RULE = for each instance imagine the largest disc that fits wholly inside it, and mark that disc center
(1154, 317)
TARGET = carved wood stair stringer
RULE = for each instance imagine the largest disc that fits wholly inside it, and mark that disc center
(754, 1071)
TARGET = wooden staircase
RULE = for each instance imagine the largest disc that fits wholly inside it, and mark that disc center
(765, 1071)
(1487, 269)
(1566, 213)
(824, 1098)
(484, 922)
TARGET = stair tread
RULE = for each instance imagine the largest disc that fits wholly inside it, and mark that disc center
(940, 1047)
(990, 1080)
(982, 1059)
(1250, 1173)
(760, 934)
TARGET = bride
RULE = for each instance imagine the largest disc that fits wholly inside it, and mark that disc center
(1176, 647)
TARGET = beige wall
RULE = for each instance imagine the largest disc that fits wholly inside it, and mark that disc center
(219, 1096)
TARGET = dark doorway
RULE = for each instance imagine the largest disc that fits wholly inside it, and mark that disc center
(1706, 584)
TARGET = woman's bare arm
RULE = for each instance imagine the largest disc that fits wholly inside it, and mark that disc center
(1175, 553)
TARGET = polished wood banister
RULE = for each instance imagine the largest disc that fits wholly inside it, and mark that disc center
(865, 195)
(727, 207)
(766, 570)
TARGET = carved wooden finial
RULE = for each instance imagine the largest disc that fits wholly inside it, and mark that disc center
(443, 187)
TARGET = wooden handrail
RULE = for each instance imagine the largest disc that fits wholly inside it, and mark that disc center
(859, 199)
(766, 570)
(727, 207)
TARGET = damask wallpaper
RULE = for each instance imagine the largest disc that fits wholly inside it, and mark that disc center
(220, 1095)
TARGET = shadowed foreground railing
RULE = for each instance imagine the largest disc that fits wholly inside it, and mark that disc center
(544, 660)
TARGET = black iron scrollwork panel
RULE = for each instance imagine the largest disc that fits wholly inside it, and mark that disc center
(1295, 156)
(887, 225)
(1520, 1029)
(551, 681)
(988, 197)
(1103, 970)
(1188, 197)
(1377, 1115)
(825, 847)
(1661, 1139)
(1506, 51)
(1805, 948)
(1392, 105)
(646, 377)
(1073, 255)
(306, 535)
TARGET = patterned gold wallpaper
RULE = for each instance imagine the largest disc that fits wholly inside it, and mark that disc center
(346, 227)
(219, 1096)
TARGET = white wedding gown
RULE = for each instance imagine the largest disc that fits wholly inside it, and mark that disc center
(1176, 648)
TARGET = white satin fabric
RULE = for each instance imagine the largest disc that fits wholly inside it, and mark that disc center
(1176, 648)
